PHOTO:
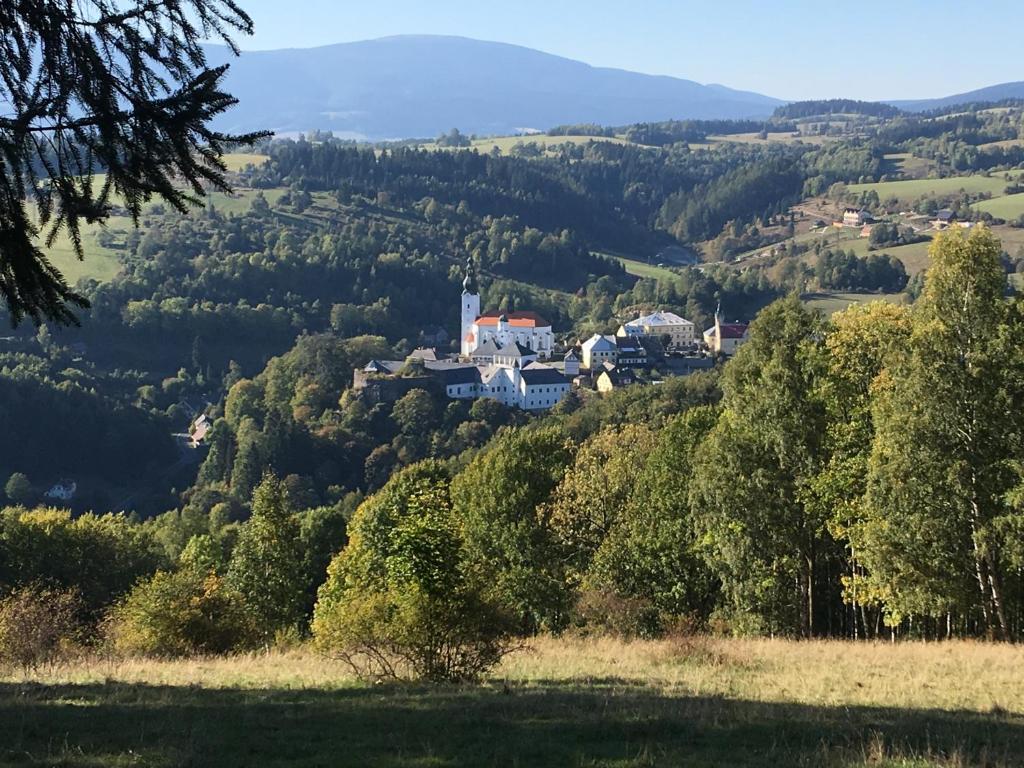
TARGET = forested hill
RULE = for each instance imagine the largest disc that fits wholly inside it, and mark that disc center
(421, 85)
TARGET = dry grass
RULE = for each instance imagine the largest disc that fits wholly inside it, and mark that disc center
(566, 702)
(825, 672)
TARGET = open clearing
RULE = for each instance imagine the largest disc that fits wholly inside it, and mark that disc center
(506, 143)
(568, 702)
(786, 137)
(642, 269)
(830, 302)
(908, 191)
(237, 161)
(1009, 207)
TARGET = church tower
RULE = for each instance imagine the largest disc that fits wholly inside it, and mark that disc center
(470, 310)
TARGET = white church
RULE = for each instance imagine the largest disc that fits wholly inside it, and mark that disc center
(502, 329)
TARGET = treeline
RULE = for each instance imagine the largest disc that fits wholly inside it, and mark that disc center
(813, 108)
(839, 270)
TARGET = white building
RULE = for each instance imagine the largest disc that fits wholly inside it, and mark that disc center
(503, 328)
(63, 490)
(681, 331)
(725, 338)
(534, 387)
(599, 349)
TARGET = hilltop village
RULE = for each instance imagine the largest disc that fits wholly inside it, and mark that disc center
(515, 358)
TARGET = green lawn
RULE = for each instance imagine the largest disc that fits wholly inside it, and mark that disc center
(1009, 207)
(908, 191)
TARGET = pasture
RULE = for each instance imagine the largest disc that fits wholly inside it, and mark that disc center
(1009, 207)
(505, 144)
(908, 191)
(566, 702)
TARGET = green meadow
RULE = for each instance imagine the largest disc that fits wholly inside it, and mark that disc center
(908, 191)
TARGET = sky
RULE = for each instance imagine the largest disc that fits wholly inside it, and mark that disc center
(790, 49)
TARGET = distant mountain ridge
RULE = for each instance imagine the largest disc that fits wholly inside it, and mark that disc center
(420, 86)
(992, 93)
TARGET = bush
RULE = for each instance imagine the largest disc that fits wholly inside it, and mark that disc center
(397, 602)
(180, 614)
(38, 626)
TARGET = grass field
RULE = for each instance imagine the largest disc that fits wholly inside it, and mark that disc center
(907, 191)
(641, 269)
(237, 161)
(830, 302)
(506, 143)
(786, 137)
(565, 703)
(1009, 207)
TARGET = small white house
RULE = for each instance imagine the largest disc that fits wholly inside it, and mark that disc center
(62, 490)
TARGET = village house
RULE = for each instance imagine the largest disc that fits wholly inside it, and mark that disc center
(599, 349)
(679, 330)
(630, 353)
(62, 490)
(856, 217)
(199, 429)
(944, 218)
(614, 377)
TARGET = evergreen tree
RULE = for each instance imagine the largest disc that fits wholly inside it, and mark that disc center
(101, 85)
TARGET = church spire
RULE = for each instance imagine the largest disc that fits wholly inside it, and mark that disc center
(469, 283)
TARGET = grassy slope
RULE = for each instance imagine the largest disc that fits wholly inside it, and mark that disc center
(830, 302)
(1009, 207)
(907, 191)
(568, 703)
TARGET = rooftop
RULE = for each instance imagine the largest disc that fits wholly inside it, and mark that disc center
(515, 319)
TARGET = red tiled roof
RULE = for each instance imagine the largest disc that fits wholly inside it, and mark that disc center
(733, 330)
(515, 319)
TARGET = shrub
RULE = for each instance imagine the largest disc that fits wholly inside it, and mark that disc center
(38, 626)
(180, 614)
(397, 601)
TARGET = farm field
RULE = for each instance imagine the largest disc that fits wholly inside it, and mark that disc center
(237, 161)
(785, 137)
(907, 191)
(642, 269)
(1009, 207)
(506, 143)
(567, 702)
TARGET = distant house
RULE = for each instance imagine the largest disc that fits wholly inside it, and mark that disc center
(62, 490)
(944, 218)
(856, 217)
(599, 349)
(679, 330)
(200, 429)
(725, 338)
(631, 353)
(614, 377)
(422, 353)
(571, 364)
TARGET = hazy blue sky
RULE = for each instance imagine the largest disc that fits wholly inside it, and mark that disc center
(792, 49)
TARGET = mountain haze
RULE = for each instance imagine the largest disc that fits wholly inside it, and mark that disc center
(998, 92)
(419, 86)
